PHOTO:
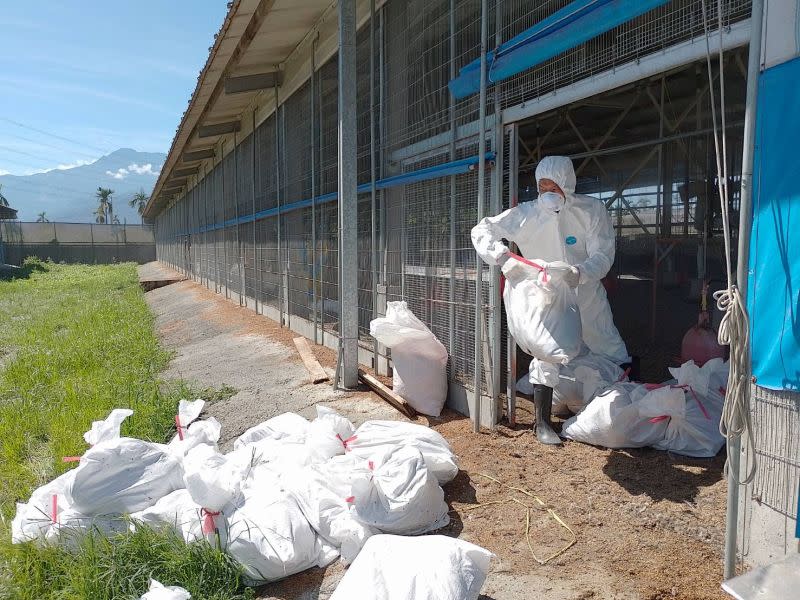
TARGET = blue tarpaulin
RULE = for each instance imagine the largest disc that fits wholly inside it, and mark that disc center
(574, 24)
(774, 270)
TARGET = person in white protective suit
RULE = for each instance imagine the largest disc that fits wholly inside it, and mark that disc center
(560, 225)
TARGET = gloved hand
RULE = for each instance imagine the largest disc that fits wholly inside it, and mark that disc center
(515, 271)
(572, 277)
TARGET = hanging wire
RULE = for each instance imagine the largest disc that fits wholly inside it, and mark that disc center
(734, 330)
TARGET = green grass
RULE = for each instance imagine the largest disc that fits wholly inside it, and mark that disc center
(121, 568)
(75, 342)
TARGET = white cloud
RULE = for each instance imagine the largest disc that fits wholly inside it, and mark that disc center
(4, 172)
(135, 168)
(77, 163)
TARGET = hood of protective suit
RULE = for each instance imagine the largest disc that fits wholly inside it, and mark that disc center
(558, 169)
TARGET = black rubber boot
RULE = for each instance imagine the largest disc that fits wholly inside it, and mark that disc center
(543, 403)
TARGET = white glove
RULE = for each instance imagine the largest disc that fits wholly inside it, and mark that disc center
(515, 271)
(572, 277)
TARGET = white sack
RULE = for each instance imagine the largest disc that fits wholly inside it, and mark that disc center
(214, 480)
(419, 359)
(122, 476)
(322, 493)
(613, 418)
(693, 428)
(431, 567)
(269, 536)
(276, 428)
(542, 313)
(161, 592)
(108, 428)
(401, 496)
(178, 512)
(378, 436)
(327, 435)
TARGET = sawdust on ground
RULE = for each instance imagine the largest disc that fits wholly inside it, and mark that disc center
(649, 525)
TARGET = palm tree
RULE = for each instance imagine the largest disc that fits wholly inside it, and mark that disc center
(100, 215)
(103, 196)
(3, 201)
(139, 201)
(42, 218)
(115, 220)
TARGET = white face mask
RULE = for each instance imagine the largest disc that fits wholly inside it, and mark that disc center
(552, 201)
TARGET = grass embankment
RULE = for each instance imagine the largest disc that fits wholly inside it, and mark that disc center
(75, 342)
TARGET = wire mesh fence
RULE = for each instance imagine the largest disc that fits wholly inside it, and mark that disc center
(76, 242)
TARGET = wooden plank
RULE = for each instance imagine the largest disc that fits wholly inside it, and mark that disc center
(387, 394)
(315, 369)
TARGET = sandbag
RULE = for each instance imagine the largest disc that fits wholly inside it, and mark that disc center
(693, 428)
(327, 435)
(419, 359)
(431, 567)
(214, 480)
(269, 536)
(401, 496)
(378, 436)
(276, 428)
(123, 476)
(322, 493)
(620, 417)
(542, 312)
(161, 592)
(190, 432)
(179, 513)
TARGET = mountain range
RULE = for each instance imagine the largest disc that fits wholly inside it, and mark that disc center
(68, 194)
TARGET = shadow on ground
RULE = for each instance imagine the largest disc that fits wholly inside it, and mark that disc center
(663, 476)
(11, 272)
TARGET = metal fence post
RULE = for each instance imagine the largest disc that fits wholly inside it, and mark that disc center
(453, 192)
(513, 196)
(373, 191)
(479, 323)
(278, 161)
(224, 228)
(314, 263)
(256, 263)
(348, 195)
(235, 152)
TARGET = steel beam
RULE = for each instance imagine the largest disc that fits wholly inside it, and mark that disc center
(253, 83)
(348, 195)
(214, 129)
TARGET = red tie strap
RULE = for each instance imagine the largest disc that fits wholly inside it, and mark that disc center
(208, 520)
(180, 428)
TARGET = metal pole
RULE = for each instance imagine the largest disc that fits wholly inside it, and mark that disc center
(224, 229)
(235, 152)
(495, 324)
(314, 264)
(659, 202)
(348, 198)
(278, 200)
(513, 199)
(256, 272)
(478, 380)
(382, 139)
(453, 189)
(745, 225)
(373, 198)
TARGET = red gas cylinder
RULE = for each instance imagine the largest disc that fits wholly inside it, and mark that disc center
(610, 282)
(700, 343)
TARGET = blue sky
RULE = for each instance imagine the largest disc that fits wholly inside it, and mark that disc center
(93, 76)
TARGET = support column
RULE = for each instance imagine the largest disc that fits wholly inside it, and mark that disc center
(348, 197)
(314, 262)
(479, 321)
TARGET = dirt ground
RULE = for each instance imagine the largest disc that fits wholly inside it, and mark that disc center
(648, 525)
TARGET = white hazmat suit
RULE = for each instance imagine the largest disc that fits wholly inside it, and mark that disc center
(578, 232)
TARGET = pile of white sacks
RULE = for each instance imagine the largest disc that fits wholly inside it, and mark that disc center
(291, 495)
(681, 415)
